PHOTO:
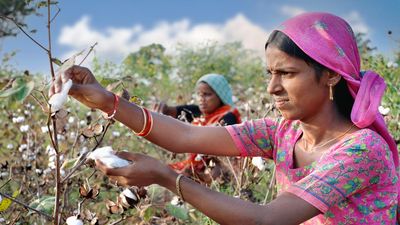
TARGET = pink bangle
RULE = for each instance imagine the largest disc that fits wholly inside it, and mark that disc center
(112, 114)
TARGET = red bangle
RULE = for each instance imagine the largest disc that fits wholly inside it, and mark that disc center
(148, 126)
(145, 117)
(112, 114)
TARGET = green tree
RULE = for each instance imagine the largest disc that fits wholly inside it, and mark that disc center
(242, 68)
(16, 10)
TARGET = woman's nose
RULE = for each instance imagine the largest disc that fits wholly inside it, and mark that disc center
(201, 98)
(274, 85)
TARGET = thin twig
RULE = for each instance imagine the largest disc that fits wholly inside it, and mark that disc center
(233, 172)
(26, 206)
(37, 101)
(80, 206)
(9, 179)
(271, 183)
(90, 50)
(23, 31)
(58, 11)
(49, 128)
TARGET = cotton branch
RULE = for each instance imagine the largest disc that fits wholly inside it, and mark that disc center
(23, 31)
(26, 206)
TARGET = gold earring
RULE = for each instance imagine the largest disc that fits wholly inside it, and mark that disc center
(330, 92)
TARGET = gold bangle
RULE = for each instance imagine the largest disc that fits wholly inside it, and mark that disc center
(178, 186)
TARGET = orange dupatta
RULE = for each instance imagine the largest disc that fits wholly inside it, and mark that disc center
(208, 120)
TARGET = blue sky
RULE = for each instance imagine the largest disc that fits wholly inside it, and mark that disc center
(123, 26)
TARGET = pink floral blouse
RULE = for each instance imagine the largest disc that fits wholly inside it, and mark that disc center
(354, 182)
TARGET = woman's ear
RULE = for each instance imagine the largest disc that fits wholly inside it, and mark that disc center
(333, 78)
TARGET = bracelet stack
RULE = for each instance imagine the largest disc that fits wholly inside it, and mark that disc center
(148, 123)
(178, 186)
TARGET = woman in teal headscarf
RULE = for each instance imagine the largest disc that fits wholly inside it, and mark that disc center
(215, 107)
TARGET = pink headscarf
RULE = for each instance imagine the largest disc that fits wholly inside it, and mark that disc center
(329, 40)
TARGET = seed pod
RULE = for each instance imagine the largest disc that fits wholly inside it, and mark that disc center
(128, 198)
(114, 208)
(87, 192)
(87, 132)
(142, 192)
(97, 129)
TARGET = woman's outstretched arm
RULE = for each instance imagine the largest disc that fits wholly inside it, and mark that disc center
(177, 136)
(167, 132)
(285, 209)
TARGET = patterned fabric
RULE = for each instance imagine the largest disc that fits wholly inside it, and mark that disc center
(220, 85)
(329, 40)
(354, 182)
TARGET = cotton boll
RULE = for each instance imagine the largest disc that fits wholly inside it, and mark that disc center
(128, 198)
(106, 155)
(73, 220)
(175, 201)
(198, 158)
(58, 100)
(114, 161)
(384, 111)
(258, 162)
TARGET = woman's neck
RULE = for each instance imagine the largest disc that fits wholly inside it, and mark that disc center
(323, 127)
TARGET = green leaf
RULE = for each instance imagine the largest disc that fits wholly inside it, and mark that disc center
(105, 81)
(57, 61)
(178, 212)
(44, 204)
(69, 163)
(19, 90)
(148, 214)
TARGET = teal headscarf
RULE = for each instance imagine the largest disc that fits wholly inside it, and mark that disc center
(220, 85)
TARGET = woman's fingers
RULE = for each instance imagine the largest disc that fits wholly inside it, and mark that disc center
(59, 79)
(128, 155)
(110, 171)
(156, 107)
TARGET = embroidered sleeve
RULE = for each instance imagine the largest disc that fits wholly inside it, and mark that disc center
(255, 137)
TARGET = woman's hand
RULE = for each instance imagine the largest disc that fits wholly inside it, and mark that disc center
(143, 171)
(162, 107)
(85, 88)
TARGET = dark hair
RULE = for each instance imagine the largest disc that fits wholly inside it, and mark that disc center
(342, 97)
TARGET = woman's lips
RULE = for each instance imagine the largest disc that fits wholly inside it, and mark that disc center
(280, 103)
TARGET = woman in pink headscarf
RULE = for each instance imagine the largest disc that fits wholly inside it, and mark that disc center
(336, 162)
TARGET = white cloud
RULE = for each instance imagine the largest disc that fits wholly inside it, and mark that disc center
(115, 43)
(291, 11)
(357, 22)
